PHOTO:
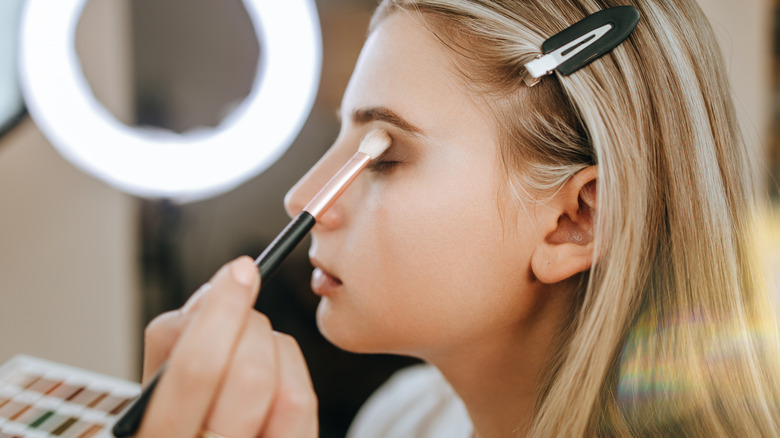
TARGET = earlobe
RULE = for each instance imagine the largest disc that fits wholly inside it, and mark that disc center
(553, 263)
(566, 245)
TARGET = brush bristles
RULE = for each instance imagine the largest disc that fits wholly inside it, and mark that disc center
(374, 143)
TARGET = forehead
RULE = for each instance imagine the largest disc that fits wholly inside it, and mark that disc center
(404, 67)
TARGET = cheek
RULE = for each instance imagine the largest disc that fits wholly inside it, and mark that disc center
(436, 259)
(448, 232)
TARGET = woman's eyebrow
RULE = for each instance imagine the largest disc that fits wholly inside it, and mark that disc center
(384, 114)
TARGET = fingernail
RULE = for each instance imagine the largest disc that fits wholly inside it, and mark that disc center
(244, 271)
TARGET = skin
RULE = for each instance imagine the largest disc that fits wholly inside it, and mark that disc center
(227, 371)
(435, 260)
(426, 254)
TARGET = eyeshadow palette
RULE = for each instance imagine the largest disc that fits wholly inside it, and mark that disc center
(40, 399)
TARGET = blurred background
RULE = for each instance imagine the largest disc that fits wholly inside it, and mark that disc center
(84, 266)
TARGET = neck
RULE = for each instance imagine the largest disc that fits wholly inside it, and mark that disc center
(498, 376)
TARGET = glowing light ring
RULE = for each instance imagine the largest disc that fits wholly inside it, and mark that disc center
(188, 166)
(11, 104)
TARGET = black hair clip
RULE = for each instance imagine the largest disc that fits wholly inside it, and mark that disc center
(581, 43)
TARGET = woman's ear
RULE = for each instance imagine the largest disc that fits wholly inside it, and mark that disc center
(567, 246)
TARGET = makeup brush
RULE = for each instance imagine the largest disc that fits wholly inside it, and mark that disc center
(372, 146)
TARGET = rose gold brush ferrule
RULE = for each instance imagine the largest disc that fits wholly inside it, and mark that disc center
(340, 181)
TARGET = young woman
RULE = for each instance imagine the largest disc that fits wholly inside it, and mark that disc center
(570, 259)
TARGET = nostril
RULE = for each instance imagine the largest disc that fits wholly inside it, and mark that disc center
(331, 218)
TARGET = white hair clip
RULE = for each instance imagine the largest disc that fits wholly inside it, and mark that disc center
(581, 43)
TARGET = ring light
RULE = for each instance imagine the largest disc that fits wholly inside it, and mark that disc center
(11, 103)
(188, 166)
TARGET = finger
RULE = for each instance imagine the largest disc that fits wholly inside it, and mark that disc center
(249, 385)
(198, 361)
(294, 410)
(162, 333)
(159, 338)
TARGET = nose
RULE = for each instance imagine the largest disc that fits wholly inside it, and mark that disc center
(310, 184)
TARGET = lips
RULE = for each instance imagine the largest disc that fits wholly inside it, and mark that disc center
(323, 283)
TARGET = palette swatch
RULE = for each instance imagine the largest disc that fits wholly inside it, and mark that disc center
(40, 399)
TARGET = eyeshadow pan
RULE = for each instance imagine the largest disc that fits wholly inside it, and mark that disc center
(112, 404)
(85, 397)
(96, 401)
(42, 419)
(30, 381)
(43, 385)
(65, 391)
(22, 379)
(53, 421)
(75, 394)
(77, 429)
(60, 429)
(20, 413)
(121, 406)
(11, 409)
(92, 431)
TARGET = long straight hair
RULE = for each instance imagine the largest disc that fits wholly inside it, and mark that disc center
(673, 332)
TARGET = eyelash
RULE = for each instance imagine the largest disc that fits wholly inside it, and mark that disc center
(380, 166)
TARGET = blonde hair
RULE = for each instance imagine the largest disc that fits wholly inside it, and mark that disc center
(673, 331)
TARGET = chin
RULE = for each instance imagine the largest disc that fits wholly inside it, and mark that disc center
(349, 337)
(338, 334)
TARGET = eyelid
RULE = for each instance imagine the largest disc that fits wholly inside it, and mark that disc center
(387, 160)
(383, 156)
(380, 166)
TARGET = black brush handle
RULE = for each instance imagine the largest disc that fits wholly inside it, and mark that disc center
(267, 263)
(130, 421)
(273, 256)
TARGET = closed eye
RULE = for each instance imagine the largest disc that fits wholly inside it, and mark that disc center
(381, 166)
